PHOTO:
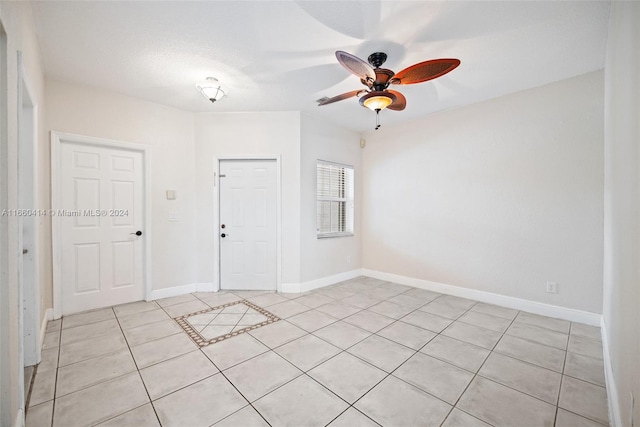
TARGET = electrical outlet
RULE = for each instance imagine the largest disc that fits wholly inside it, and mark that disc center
(552, 287)
(348, 259)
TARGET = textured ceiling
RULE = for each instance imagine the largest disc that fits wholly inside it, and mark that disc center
(279, 55)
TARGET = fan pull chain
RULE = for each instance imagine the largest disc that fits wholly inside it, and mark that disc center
(377, 119)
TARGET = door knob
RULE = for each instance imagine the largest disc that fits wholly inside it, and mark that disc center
(222, 226)
(137, 233)
(223, 235)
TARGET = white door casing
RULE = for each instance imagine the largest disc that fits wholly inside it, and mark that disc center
(100, 202)
(248, 224)
(28, 221)
(6, 304)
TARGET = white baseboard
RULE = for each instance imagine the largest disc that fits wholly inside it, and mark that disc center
(290, 288)
(181, 290)
(570, 314)
(48, 315)
(310, 285)
(615, 419)
(330, 280)
(205, 287)
(173, 291)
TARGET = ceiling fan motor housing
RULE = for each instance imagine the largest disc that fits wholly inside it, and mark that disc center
(383, 77)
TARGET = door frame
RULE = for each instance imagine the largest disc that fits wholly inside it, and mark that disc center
(28, 290)
(6, 305)
(216, 216)
(57, 139)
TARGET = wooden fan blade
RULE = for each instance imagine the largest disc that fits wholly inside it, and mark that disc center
(355, 65)
(400, 103)
(424, 71)
(346, 95)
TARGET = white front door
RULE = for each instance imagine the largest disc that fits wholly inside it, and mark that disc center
(248, 209)
(101, 225)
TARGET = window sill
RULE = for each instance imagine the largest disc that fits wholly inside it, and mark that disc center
(328, 236)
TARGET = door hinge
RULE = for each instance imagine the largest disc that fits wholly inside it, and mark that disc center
(219, 176)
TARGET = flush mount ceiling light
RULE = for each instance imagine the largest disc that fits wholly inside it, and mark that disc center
(212, 89)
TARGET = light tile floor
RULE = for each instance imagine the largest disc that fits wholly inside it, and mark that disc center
(360, 353)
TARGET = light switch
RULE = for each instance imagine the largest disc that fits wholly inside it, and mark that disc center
(171, 194)
(173, 216)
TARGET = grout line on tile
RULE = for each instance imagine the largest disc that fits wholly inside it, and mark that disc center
(416, 387)
(55, 386)
(519, 391)
(92, 357)
(236, 364)
(179, 389)
(86, 322)
(471, 415)
(135, 362)
(339, 397)
(235, 412)
(586, 418)
(245, 398)
(448, 414)
(354, 344)
(475, 374)
(130, 410)
(564, 366)
(555, 416)
(340, 414)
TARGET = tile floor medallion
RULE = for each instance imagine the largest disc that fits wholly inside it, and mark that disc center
(225, 321)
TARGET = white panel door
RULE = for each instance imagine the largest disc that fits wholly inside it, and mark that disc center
(248, 207)
(101, 225)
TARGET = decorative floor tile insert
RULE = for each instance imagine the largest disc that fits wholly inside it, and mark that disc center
(224, 321)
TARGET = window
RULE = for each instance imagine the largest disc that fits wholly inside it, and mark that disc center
(334, 199)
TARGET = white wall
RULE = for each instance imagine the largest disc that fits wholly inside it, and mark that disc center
(500, 196)
(169, 132)
(327, 257)
(18, 24)
(248, 134)
(622, 210)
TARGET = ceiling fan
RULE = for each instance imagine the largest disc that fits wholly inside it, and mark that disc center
(377, 80)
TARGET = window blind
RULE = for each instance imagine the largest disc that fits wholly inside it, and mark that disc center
(335, 192)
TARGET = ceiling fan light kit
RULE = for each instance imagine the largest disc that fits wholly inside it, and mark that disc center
(211, 89)
(377, 100)
(377, 80)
